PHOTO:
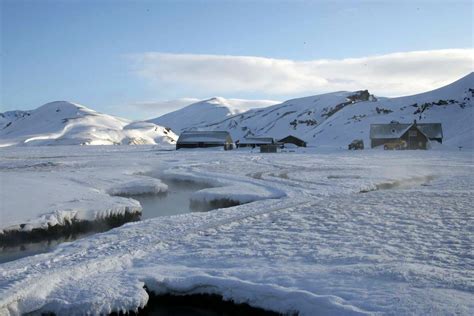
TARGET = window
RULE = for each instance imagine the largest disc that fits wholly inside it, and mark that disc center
(412, 133)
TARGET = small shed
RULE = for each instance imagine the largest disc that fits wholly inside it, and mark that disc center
(414, 135)
(290, 139)
(254, 142)
(269, 148)
(204, 139)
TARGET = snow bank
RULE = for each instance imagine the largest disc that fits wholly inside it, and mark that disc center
(77, 211)
(266, 296)
(232, 188)
(242, 193)
(138, 187)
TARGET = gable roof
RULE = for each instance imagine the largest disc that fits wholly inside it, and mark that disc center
(210, 137)
(396, 130)
(431, 130)
(289, 137)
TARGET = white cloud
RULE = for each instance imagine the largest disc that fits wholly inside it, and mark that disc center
(389, 75)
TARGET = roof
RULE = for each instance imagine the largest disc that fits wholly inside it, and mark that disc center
(291, 136)
(210, 137)
(396, 130)
(257, 140)
(432, 130)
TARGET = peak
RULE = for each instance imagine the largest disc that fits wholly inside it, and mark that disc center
(216, 100)
(61, 104)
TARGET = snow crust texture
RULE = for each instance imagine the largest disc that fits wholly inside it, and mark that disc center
(334, 233)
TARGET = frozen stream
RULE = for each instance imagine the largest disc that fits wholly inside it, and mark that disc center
(175, 201)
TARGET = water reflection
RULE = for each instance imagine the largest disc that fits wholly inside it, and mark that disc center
(33, 248)
(175, 201)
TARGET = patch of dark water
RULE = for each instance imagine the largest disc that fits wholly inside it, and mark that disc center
(11, 253)
(198, 305)
(17, 244)
(177, 200)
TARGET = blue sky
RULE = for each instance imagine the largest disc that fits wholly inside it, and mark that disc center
(113, 56)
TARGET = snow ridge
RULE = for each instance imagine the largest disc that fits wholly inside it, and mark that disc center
(210, 110)
(66, 123)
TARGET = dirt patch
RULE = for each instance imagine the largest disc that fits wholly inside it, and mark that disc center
(401, 184)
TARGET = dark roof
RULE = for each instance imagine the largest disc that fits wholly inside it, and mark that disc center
(432, 130)
(291, 137)
(257, 140)
(396, 130)
(209, 137)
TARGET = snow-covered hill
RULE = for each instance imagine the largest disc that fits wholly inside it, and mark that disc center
(332, 119)
(65, 123)
(203, 112)
(335, 119)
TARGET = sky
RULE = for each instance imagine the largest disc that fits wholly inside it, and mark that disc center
(140, 59)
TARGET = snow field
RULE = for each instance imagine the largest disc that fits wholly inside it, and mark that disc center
(320, 247)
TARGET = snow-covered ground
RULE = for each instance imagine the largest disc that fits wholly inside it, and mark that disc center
(309, 242)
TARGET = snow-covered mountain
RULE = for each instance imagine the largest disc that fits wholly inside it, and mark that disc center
(335, 119)
(331, 119)
(203, 112)
(65, 123)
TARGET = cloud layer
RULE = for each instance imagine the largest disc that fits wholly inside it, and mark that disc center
(390, 75)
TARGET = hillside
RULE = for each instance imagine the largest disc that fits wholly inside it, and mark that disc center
(335, 119)
(65, 123)
(203, 112)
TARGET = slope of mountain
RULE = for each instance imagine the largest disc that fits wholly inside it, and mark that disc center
(335, 119)
(8, 117)
(202, 112)
(65, 123)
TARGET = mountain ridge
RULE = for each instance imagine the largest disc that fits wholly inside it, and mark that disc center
(67, 123)
(211, 109)
(335, 119)
(331, 119)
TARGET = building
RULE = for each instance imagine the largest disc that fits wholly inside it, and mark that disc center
(269, 148)
(290, 139)
(254, 142)
(405, 136)
(204, 139)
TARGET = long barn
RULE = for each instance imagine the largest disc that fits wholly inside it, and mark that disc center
(255, 142)
(205, 139)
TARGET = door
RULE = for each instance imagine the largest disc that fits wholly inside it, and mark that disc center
(413, 139)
